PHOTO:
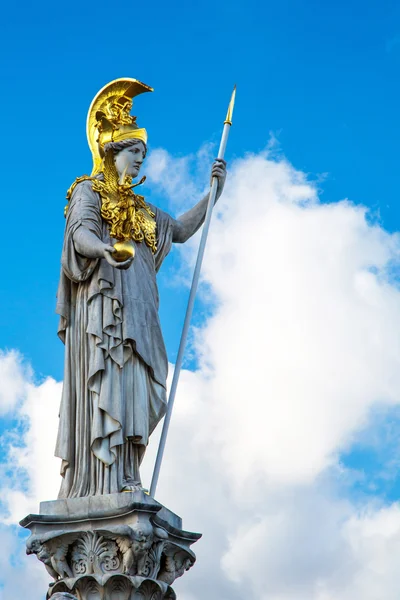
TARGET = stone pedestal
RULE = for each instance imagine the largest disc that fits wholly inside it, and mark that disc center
(113, 547)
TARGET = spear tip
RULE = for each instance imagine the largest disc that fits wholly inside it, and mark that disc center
(229, 114)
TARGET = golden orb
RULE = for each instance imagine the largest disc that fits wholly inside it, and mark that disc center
(123, 251)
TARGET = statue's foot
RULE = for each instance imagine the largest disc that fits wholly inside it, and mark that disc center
(133, 486)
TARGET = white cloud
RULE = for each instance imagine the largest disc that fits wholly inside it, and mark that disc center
(174, 176)
(36, 457)
(313, 547)
(13, 377)
(28, 472)
(374, 539)
(304, 339)
(20, 578)
(301, 346)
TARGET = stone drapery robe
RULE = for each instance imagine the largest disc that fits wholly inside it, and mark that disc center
(115, 359)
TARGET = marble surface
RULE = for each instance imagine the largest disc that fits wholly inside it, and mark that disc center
(110, 547)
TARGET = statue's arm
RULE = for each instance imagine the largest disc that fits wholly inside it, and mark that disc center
(89, 245)
(187, 224)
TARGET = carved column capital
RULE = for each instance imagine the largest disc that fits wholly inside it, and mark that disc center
(123, 548)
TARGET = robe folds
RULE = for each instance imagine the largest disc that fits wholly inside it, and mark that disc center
(114, 391)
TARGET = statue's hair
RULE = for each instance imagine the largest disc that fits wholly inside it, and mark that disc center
(116, 147)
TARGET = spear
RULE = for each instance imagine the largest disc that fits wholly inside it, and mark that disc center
(192, 296)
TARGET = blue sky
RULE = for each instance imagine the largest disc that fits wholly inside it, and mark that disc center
(320, 78)
(323, 77)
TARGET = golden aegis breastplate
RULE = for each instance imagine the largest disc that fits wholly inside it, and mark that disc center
(127, 214)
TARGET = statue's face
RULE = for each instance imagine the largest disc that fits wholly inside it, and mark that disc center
(129, 160)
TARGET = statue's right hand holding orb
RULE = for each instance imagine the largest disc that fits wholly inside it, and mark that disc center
(108, 251)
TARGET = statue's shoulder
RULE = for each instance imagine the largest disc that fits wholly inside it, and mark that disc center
(79, 180)
(84, 181)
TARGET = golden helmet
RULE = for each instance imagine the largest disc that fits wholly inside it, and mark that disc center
(109, 118)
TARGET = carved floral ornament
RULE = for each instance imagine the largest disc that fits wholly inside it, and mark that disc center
(112, 565)
(93, 554)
